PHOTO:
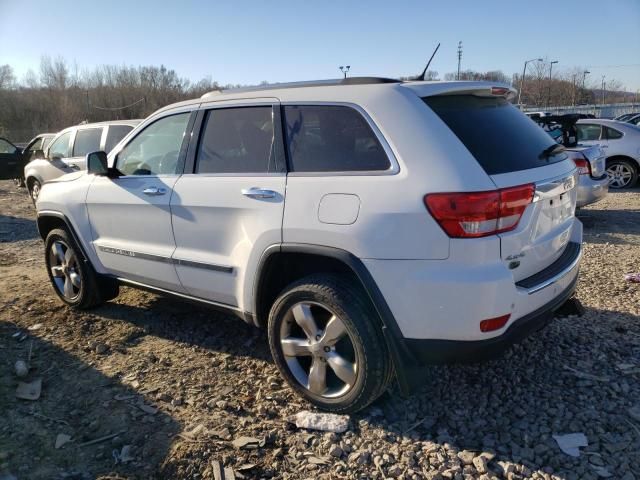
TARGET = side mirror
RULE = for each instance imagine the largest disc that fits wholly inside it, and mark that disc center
(97, 163)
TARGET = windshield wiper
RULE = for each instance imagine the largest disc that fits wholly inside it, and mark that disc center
(551, 150)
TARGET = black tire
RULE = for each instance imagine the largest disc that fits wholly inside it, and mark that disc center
(348, 302)
(18, 182)
(92, 290)
(625, 165)
(34, 187)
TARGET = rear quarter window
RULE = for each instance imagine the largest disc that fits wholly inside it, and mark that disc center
(500, 137)
(332, 138)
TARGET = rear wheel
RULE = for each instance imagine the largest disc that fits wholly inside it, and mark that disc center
(18, 181)
(73, 279)
(327, 343)
(622, 173)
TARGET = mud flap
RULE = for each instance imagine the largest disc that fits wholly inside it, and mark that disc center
(409, 374)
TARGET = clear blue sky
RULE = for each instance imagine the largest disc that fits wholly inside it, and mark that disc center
(250, 41)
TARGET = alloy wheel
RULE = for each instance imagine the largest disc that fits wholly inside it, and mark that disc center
(620, 175)
(35, 190)
(65, 270)
(319, 350)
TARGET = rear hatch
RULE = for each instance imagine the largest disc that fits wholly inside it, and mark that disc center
(514, 151)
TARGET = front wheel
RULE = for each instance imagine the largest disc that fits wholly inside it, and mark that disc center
(327, 343)
(73, 279)
(34, 190)
(622, 173)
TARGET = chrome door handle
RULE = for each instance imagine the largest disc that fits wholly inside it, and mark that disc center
(154, 191)
(255, 192)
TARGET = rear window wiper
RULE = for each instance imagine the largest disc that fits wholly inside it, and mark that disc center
(551, 150)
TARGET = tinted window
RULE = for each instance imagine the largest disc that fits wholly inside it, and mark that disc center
(6, 147)
(612, 134)
(115, 133)
(156, 149)
(237, 140)
(588, 132)
(498, 135)
(60, 147)
(87, 141)
(332, 139)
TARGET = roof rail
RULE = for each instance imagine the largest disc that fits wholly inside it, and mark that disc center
(311, 83)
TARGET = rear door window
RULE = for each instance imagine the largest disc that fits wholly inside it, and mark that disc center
(588, 132)
(332, 138)
(115, 133)
(237, 140)
(500, 137)
(87, 141)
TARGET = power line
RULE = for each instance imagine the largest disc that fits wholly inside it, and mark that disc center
(120, 108)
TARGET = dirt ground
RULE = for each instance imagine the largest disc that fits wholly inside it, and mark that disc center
(152, 387)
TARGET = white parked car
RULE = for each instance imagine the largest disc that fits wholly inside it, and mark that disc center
(66, 152)
(621, 143)
(371, 225)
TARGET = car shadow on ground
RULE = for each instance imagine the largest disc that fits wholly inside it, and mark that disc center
(186, 322)
(607, 226)
(15, 229)
(98, 413)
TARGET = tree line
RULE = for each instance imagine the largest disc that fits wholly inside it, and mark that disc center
(60, 95)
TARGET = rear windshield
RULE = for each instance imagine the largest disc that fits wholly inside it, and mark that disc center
(498, 135)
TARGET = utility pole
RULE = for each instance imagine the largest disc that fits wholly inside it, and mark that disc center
(345, 70)
(603, 84)
(549, 93)
(459, 58)
(584, 76)
(524, 72)
(573, 90)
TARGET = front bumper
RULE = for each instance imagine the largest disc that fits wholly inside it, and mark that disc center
(591, 190)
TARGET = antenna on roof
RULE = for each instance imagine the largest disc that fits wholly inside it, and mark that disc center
(423, 75)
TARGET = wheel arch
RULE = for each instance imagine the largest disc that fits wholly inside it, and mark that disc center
(30, 178)
(49, 220)
(627, 158)
(282, 264)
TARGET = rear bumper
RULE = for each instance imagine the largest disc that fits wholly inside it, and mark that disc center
(451, 351)
(591, 190)
(438, 305)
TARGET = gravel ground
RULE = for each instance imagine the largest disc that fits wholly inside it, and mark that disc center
(172, 385)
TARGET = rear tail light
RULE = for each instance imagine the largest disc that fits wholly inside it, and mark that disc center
(479, 214)
(492, 324)
(584, 167)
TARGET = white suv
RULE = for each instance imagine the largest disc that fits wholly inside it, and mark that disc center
(371, 225)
